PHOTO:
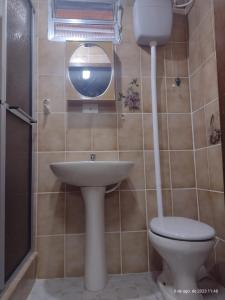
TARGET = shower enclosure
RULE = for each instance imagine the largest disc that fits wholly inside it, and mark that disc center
(16, 129)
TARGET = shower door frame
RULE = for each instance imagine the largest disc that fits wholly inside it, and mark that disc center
(3, 141)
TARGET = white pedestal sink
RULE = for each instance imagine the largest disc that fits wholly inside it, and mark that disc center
(93, 177)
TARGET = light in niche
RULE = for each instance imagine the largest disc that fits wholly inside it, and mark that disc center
(86, 74)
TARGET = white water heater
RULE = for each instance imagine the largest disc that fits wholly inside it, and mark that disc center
(153, 20)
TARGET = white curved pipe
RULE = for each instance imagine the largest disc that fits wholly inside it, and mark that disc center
(113, 188)
(182, 5)
(156, 129)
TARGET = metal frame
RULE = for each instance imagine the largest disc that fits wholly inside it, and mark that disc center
(34, 99)
(2, 146)
(3, 108)
(116, 22)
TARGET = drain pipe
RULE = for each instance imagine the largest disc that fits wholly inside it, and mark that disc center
(158, 181)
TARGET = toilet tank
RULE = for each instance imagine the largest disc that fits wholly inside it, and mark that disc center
(152, 21)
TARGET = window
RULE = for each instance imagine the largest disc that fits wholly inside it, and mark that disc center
(84, 20)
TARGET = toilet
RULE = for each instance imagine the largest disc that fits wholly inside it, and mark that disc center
(184, 244)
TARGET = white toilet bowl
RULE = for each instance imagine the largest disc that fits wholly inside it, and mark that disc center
(184, 244)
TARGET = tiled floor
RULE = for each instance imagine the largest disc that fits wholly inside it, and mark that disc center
(126, 287)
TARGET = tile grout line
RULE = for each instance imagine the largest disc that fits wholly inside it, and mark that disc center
(202, 65)
(205, 105)
(84, 234)
(210, 11)
(168, 141)
(122, 151)
(118, 156)
(193, 137)
(144, 157)
(65, 158)
(134, 190)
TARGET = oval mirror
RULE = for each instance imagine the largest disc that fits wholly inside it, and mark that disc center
(90, 70)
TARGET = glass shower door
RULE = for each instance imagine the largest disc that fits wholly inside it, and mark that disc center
(17, 109)
(17, 192)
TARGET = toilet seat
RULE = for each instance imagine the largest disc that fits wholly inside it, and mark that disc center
(183, 229)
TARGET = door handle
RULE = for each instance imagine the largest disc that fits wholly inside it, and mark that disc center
(22, 112)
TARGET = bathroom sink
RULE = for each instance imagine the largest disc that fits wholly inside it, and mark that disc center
(92, 173)
(93, 177)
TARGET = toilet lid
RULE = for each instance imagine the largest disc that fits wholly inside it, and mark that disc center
(182, 229)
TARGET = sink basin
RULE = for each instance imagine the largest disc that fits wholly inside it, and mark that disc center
(92, 173)
(93, 177)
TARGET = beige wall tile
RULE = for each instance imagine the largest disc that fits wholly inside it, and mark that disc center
(77, 155)
(130, 125)
(197, 14)
(182, 169)
(215, 168)
(127, 23)
(178, 98)
(202, 169)
(107, 155)
(134, 252)
(206, 210)
(206, 29)
(179, 30)
(146, 62)
(185, 203)
(78, 135)
(194, 52)
(212, 109)
(112, 212)
(128, 60)
(50, 214)
(113, 258)
(51, 87)
(199, 129)
(147, 98)
(204, 7)
(150, 169)
(212, 210)
(152, 204)
(193, 20)
(43, 19)
(47, 181)
(133, 210)
(135, 178)
(210, 80)
(176, 60)
(202, 41)
(51, 58)
(148, 132)
(105, 132)
(196, 88)
(51, 132)
(50, 257)
(75, 213)
(74, 255)
(180, 131)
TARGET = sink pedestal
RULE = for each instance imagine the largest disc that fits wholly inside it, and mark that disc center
(92, 177)
(95, 256)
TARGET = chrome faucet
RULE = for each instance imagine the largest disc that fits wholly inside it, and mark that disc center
(93, 157)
